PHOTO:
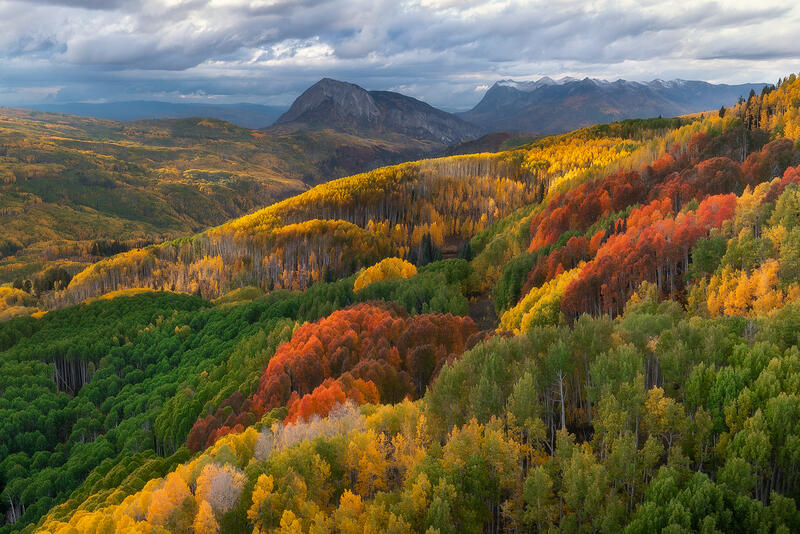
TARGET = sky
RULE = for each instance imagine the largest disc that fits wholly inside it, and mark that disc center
(445, 52)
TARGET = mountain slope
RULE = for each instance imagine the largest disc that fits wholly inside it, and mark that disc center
(547, 106)
(347, 107)
(73, 189)
(334, 229)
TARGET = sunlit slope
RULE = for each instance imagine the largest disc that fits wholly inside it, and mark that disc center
(68, 183)
(413, 210)
(700, 221)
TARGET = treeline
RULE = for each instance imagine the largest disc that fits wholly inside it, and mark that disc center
(776, 109)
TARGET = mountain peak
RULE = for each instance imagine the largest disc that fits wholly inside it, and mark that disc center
(331, 81)
(347, 107)
(548, 106)
(332, 98)
(528, 86)
(331, 84)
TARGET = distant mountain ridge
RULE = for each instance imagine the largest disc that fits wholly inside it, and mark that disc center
(548, 106)
(244, 114)
(347, 107)
(543, 106)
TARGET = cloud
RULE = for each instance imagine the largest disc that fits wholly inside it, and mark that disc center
(438, 50)
(85, 4)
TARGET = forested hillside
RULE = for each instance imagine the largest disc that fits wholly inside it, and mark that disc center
(74, 190)
(317, 366)
(416, 211)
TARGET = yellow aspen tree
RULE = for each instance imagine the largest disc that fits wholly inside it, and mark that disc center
(168, 501)
(95, 522)
(367, 463)
(387, 269)
(261, 513)
(290, 524)
(738, 301)
(767, 296)
(348, 516)
(204, 521)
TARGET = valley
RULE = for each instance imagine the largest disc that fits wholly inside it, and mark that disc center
(73, 190)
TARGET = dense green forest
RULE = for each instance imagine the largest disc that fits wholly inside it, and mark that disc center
(124, 379)
(596, 332)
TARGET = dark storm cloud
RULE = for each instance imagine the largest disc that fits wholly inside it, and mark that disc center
(754, 54)
(86, 4)
(444, 51)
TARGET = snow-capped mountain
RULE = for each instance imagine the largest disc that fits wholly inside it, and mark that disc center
(548, 105)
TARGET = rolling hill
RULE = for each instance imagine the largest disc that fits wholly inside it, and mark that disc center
(548, 106)
(72, 189)
(336, 228)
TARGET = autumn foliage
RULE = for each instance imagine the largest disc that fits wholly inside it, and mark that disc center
(654, 241)
(366, 353)
(328, 394)
(656, 251)
(643, 376)
(387, 269)
(367, 341)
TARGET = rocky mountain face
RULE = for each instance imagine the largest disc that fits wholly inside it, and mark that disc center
(349, 108)
(548, 106)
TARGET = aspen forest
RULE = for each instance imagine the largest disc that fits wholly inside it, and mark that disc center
(596, 331)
